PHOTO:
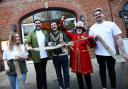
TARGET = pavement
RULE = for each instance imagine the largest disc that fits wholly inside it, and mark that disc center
(52, 80)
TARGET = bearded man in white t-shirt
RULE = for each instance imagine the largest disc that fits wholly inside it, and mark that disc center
(108, 31)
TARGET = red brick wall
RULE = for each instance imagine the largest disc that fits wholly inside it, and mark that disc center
(117, 6)
(11, 11)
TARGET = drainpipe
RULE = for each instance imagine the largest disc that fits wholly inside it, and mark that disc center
(125, 26)
(109, 1)
(110, 9)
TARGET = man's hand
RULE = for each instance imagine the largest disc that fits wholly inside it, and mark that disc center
(29, 48)
(63, 44)
(95, 38)
(50, 44)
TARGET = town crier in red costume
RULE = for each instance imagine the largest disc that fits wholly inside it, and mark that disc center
(80, 61)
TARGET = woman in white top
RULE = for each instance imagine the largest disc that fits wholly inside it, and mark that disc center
(15, 51)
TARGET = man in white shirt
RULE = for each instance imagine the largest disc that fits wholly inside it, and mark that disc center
(37, 39)
(108, 31)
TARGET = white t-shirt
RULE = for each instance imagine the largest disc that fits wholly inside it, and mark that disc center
(41, 43)
(8, 55)
(106, 30)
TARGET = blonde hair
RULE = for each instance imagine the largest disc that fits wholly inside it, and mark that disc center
(98, 9)
(12, 42)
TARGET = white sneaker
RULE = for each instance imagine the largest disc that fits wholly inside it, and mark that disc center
(104, 88)
(60, 88)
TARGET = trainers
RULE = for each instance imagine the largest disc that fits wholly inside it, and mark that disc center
(60, 88)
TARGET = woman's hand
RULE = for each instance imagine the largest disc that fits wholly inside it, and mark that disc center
(71, 43)
(21, 55)
(7, 69)
(17, 58)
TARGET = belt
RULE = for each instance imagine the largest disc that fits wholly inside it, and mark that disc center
(60, 54)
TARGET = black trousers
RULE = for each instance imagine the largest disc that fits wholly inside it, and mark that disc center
(41, 78)
(108, 61)
(81, 81)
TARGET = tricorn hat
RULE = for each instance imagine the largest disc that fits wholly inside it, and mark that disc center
(80, 24)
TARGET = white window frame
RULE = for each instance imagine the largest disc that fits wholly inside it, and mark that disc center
(22, 28)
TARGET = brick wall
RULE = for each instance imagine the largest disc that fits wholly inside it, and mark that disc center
(13, 11)
(117, 6)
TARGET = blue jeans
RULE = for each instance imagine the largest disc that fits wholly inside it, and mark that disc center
(14, 80)
(61, 63)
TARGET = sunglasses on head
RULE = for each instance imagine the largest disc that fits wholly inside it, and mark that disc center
(79, 27)
(97, 14)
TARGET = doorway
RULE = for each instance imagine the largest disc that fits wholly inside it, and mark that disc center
(46, 17)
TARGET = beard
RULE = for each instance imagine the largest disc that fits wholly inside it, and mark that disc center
(38, 27)
(54, 29)
(100, 20)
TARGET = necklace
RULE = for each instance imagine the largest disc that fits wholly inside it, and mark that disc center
(55, 37)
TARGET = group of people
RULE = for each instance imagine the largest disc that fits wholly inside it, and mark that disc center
(80, 60)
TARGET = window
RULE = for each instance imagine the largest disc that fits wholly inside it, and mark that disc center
(4, 44)
(126, 21)
(124, 13)
(26, 28)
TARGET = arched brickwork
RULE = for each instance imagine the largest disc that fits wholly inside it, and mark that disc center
(14, 11)
(36, 7)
